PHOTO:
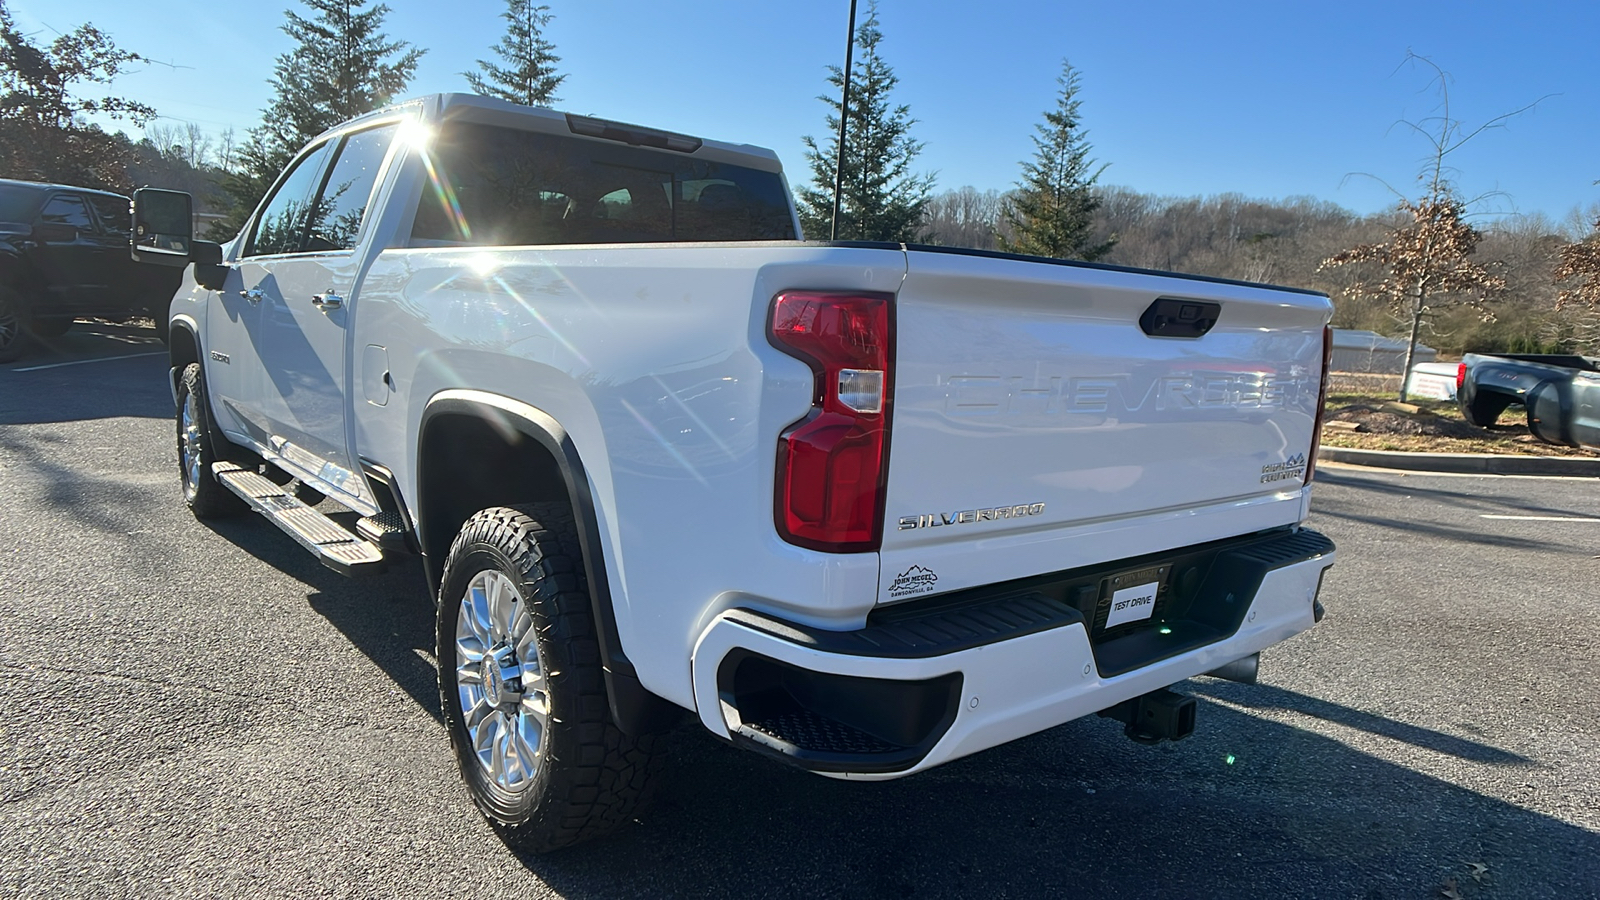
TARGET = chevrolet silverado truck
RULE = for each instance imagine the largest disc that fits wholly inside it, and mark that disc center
(1561, 394)
(64, 255)
(863, 508)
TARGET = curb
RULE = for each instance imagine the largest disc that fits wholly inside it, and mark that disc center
(1464, 463)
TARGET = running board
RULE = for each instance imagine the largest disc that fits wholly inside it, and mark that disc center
(335, 546)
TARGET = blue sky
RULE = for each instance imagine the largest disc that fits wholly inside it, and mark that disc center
(1265, 99)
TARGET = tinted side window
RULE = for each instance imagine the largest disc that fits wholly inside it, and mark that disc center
(498, 186)
(114, 215)
(67, 209)
(342, 206)
(281, 226)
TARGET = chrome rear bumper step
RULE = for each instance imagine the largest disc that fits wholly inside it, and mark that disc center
(335, 546)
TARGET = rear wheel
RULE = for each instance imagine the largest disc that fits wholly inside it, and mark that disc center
(206, 498)
(521, 684)
(1483, 409)
(13, 337)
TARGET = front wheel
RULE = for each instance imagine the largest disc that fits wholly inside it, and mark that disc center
(522, 688)
(206, 498)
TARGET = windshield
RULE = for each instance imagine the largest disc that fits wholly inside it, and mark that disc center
(18, 203)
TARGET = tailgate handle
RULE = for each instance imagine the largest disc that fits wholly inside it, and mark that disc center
(1174, 318)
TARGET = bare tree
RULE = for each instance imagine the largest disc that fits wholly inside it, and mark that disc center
(965, 217)
(1579, 267)
(1426, 261)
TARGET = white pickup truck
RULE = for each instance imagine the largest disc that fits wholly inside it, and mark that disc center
(864, 508)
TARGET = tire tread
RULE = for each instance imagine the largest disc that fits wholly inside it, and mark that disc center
(599, 778)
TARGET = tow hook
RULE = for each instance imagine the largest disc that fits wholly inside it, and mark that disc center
(1157, 716)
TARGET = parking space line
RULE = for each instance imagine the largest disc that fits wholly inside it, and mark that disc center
(79, 362)
(1541, 518)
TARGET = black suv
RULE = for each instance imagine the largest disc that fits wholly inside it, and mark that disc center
(64, 255)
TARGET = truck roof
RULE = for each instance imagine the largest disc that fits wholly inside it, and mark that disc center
(450, 105)
(48, 186)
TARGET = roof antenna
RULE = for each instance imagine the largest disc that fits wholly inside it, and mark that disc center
(844, 116)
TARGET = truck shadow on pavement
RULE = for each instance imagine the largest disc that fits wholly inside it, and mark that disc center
(1246, 807)
(387, 617)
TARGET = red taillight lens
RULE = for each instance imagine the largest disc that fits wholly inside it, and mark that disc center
(1461, 377)
(832, 464)
(1322, 402)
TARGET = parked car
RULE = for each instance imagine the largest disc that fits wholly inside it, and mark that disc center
(640, 436)
(64, 255)
(1560, 392)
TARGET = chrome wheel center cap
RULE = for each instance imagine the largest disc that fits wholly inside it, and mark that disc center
(494, 686)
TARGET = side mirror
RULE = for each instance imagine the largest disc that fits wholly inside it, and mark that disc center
(163, 227)
(209, 270)
(54, 233)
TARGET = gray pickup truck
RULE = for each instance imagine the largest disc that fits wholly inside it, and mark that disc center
(1561, 394)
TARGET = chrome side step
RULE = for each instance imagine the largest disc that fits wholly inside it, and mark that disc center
(335, 546)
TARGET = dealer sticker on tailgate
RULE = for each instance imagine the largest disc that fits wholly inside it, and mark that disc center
(1132, 604)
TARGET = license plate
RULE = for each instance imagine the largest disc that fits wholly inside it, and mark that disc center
(1131, 596)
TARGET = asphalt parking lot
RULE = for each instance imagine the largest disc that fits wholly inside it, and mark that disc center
(203, 710)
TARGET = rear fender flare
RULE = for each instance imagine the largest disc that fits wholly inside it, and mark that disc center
(633, 708)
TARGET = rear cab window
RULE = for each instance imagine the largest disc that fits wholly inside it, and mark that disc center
(490, 185)
(337, 215)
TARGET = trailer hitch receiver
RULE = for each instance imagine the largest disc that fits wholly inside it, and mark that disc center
(1157, 716)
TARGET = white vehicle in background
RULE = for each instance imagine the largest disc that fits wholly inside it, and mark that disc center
(1436, 381)
(863, 508)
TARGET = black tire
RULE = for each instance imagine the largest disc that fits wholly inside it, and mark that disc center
(206, 498)
(51, 326)
(591, 778)
(14, 338)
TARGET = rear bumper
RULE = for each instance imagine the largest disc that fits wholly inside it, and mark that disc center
(894, 699)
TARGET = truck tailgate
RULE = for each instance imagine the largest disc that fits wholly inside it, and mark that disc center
(1037, 426)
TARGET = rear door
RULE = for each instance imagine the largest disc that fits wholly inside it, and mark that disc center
(1037, 426)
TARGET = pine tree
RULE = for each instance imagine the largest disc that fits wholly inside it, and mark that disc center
(529, 76)
(344, 66)
(881, 200)
(43, 136)
(1051, 213)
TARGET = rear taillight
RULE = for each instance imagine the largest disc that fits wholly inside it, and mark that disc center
(832, 464)
(1322, 402)
(1461, 377)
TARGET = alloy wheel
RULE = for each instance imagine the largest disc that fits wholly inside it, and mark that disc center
(500, 680)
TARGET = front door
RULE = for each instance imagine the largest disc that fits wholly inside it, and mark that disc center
(243, 393)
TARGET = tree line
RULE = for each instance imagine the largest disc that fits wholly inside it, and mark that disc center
(1423, 268)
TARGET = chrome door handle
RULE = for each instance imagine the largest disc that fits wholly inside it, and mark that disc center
(254, 295)
(327, 301)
